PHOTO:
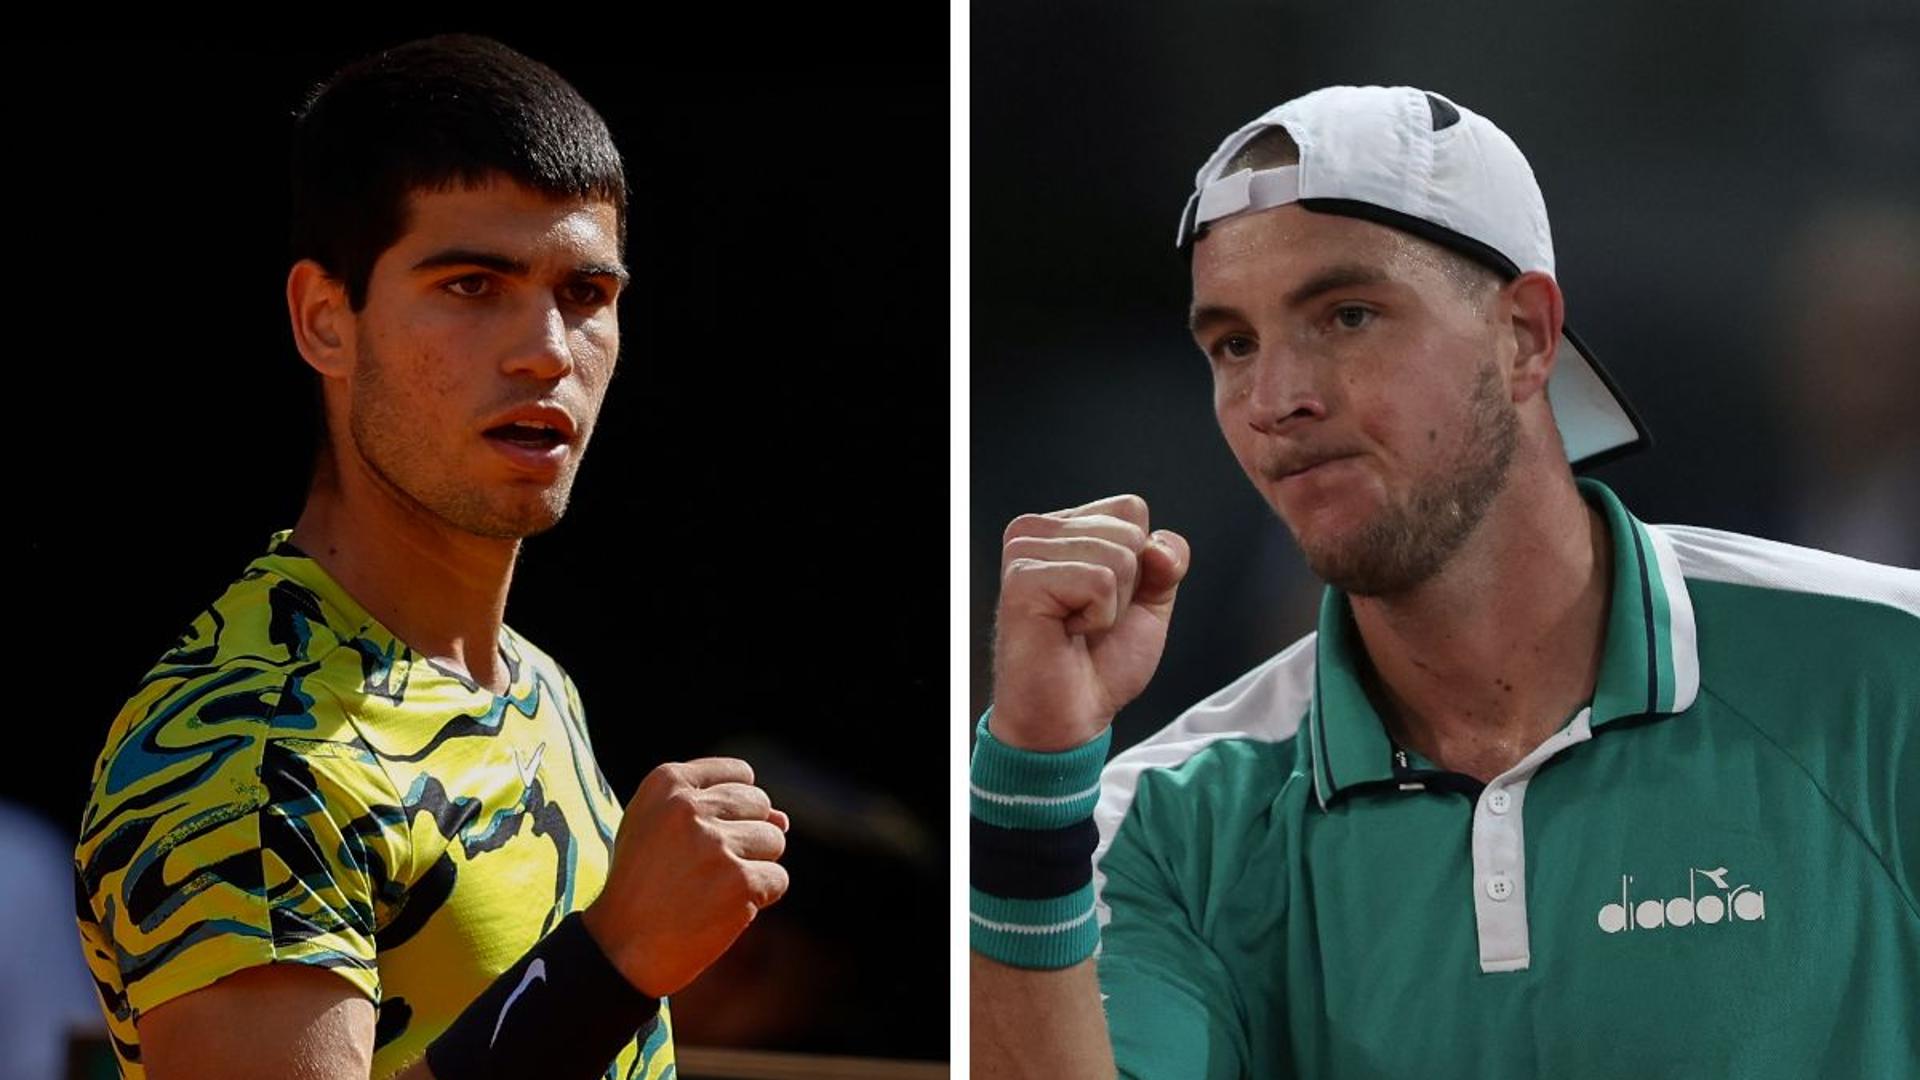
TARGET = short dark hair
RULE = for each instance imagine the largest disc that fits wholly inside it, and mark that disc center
(428, 115)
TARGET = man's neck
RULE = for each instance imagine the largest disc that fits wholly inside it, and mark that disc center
(440, 590)
(1480, 664)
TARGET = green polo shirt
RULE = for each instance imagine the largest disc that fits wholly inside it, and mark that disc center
(1709, 871)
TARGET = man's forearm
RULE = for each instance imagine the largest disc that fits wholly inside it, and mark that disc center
(1042, 1024)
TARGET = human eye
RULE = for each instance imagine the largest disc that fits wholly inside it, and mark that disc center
(1353, 316)
(585, 294)
(1231, 347)
(470, 286)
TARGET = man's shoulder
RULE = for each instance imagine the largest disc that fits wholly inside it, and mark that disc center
(1753, 562)
(1243, 731)
(250, 668)
(1265, 705)
(1757, 598)
(265, 628)
(264, 620)
(1813, 649)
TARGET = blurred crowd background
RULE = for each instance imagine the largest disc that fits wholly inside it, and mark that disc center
(1734, 192)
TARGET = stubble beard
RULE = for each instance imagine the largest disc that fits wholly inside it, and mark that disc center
(386, 438)
(1409, 541)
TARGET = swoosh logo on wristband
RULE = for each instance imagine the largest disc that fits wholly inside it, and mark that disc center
(535, 970)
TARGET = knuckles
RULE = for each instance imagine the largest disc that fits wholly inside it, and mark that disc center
(1136, 537)
(670, 774)
(1132, 509)
(1034, 551)
(1127, 526)
(1018, 567)
(1027, 525)
(681, 805)
(1104, 576)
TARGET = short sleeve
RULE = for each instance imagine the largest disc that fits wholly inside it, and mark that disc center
(238, 822)
(1172, 1009)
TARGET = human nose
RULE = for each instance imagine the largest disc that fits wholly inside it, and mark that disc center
(1282, 393)
(546, 353)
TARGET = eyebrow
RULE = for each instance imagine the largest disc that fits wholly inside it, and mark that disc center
(1342, 276)
(501, 264)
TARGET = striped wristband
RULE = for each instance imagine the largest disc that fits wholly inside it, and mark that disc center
(1031, 865)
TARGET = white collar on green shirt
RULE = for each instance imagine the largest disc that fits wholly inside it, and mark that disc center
(1650, 666)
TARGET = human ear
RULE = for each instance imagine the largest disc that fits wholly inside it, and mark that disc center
(322, 320)
(1534, 309)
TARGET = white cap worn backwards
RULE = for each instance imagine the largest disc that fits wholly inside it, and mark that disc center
(1417, 162)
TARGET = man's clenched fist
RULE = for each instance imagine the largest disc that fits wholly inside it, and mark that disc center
(1085, 596)
(693, 863)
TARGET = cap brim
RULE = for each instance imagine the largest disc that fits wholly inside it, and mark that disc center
(1597, 424)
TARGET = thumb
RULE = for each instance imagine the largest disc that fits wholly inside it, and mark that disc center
(1163, 565)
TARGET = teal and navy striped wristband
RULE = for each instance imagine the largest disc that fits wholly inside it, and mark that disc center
(1032, 841)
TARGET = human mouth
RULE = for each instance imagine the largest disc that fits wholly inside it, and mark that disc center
(527, 436)
(1285, 472)
(536, 438)
(531, 453)
(533, 425)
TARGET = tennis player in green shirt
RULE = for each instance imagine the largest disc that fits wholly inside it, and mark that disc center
(1550, 792)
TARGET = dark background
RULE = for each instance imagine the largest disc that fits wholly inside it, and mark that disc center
(1733, 204)
(715, 587)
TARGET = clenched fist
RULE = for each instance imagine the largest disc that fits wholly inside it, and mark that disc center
(1085, 597)
(693, 863)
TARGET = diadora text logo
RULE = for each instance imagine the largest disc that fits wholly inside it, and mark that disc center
(1740, 903)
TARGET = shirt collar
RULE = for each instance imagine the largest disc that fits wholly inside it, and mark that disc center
(1650, 666)
(336, 608)
(387, 662)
